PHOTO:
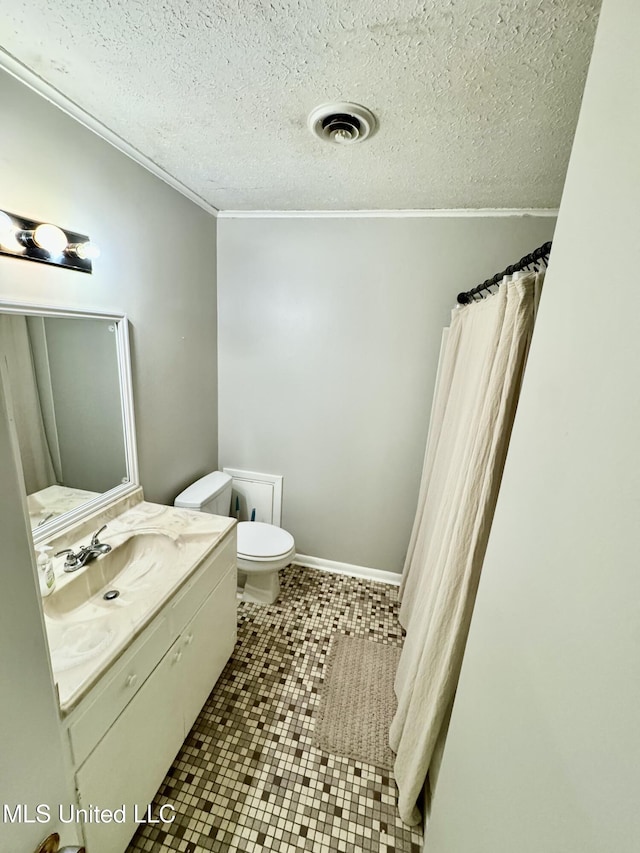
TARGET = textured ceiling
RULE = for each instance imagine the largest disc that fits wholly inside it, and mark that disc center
(477, 99)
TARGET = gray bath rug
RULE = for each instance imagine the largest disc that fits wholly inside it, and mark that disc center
(357, 701)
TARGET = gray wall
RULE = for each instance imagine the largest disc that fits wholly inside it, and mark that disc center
(543, 754)
(158, 265)
(329, 334)
(85, 383)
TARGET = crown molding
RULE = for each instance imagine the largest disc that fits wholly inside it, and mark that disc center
(37, 84)
(550, 212)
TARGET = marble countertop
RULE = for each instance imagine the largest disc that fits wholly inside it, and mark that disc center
(159, 547)
(55, 500)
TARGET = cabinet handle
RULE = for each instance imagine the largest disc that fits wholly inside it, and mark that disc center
(131, 680)
(177, 656)
(189, 639)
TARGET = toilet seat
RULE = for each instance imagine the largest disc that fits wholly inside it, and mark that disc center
(263, 542)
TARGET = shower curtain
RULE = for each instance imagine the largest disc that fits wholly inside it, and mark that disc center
(479, 376)
(15, 350)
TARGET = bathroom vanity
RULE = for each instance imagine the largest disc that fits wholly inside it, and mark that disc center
(138, 635)
(134, 670)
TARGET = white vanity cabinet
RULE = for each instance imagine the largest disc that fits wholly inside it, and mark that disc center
(204, 648)
(130, 762)
(126, 732)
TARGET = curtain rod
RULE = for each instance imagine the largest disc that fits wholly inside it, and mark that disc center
(539, 254)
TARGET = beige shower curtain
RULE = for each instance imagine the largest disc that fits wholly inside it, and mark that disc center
(15, 350)
(479, 377)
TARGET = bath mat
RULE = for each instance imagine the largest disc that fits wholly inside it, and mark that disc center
(357, 702)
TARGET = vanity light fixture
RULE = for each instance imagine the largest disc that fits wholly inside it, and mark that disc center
(31, 240)
(8, 239)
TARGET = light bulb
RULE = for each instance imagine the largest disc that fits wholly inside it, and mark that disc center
(50, 238)
(87, 251)
(8, 237)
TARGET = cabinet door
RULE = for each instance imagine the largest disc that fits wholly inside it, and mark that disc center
(207, 644)
(130, 762)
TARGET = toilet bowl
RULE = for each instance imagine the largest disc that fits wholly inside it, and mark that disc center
(263, 549)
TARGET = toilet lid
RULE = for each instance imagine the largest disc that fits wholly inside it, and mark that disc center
(257, 539)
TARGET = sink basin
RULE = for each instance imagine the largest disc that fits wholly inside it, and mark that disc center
(130, 569)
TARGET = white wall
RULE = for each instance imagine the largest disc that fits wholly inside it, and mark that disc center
(158, 265)
(543, 754)
(329, 333)
(32, 762)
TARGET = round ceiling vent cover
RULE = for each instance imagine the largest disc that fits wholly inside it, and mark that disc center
(342, 123)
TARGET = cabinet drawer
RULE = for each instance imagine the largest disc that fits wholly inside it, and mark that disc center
(117, 690)
(203, 582)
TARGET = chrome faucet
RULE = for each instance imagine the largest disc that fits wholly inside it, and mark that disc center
(86, 553)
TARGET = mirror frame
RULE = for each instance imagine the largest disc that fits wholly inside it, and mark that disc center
(68, 519)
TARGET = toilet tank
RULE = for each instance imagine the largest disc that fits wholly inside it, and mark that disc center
(211, 493)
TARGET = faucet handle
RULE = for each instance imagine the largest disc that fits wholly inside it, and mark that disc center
(72, 561)
(94, 538)
(97, 545)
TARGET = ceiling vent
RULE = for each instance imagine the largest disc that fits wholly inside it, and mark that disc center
(342, 123)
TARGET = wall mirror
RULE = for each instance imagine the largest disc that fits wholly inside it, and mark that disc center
(67, 377)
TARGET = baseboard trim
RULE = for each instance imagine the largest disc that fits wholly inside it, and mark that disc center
(335, 568)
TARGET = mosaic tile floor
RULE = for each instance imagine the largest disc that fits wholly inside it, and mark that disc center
(247, 777)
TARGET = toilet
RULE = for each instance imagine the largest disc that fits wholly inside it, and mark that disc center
(263, 549)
